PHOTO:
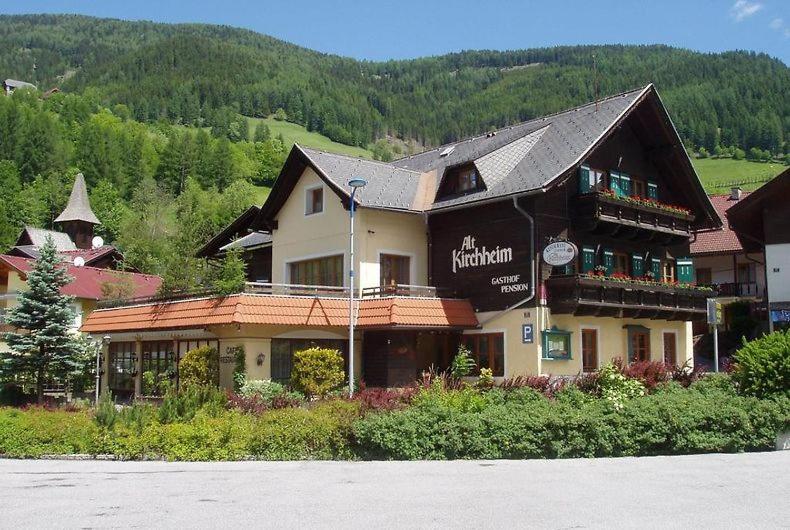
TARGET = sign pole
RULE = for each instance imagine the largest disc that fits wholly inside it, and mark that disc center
(716, 347)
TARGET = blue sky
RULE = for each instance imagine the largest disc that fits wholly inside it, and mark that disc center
(412, 28)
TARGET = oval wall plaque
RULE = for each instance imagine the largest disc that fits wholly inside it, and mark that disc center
(559, 253)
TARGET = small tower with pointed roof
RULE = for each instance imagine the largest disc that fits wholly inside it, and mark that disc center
(78, 220)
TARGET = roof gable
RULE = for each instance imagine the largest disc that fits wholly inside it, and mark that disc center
(37, 237)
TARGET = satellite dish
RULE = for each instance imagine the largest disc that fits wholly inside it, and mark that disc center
(79, 261)
(97, 242)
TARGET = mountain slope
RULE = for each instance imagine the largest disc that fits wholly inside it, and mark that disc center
(187, 72)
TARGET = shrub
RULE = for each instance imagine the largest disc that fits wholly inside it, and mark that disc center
(36, 431)
(462, 364)
(199, 367)
(486, 379)
(270, 392)
(546, 385)
(14, 395)
(317, 371)
(762, 366)
(322, 432)
(649, 373)
(526, 425)
(617, 388)
(385, 398)
(106, 415)
(183, 406)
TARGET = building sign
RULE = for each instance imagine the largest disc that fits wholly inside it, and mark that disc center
(714, 312)
(559, 253)
(483, 257)
(527, 334)
(471, 256)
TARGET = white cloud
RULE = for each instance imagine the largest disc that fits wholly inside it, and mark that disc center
(743, 9)
(776, 23)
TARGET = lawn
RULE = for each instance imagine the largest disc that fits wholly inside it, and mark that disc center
(719, 174)
(294, 133)
(261, 194)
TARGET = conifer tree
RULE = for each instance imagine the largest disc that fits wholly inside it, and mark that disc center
(43, 345)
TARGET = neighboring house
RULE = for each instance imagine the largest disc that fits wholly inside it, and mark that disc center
(9, 85)
(762, 222)
(256, 246)
(457, 246)
(77, 240)
(721, 261)
(91, 266)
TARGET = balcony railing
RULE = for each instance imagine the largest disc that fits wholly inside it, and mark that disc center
(283, 289)
(421, 291)
(603, 213)
(744, 289)
(584, 295)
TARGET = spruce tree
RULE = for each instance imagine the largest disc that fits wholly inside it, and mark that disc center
(44, 345)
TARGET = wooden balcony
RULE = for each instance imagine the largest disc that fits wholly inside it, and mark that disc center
(586, 296)
(601, 213)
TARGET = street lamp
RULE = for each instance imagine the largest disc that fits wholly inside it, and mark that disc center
(354, 184)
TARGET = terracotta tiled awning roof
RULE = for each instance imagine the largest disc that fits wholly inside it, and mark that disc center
(284, 311)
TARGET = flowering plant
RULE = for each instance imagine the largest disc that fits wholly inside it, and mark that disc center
(645, 201)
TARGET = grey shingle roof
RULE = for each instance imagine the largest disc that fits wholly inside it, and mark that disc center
(38, 236)
(14, 83)
(253, 239)
(388, 186)
(535, 152)
(78, 207)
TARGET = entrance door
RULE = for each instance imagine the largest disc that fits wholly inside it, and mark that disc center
(589, 350)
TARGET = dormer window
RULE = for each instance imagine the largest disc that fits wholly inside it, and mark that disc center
(460, 180)
(314, 200)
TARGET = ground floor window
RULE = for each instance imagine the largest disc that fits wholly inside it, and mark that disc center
(120, 371)
(670, 348)
(158, 366)
(326, 271)
(284, 349)
(189, 345)
(488, 351)
(589, 350)
(638, 344)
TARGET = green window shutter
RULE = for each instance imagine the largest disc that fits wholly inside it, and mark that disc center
(685, 270)
(637, 265)
(655, 266)
(584, 179)
(608, 261)
(588, 259)
(614, 182)
(625, 185)
(652, 190)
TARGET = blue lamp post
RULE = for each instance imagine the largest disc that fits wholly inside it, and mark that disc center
(354, 184)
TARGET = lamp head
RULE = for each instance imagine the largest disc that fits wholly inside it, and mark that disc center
(357, 183)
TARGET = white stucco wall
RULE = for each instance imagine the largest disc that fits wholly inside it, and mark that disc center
(299, 236)
(778, 271)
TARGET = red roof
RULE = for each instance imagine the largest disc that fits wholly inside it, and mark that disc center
(724, 240)
(282, 310)
(89, 255)
(87, 281)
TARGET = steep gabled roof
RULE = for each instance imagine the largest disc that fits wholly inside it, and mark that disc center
(529, 157)
(747, 218)
(37, 237)
(78, 207)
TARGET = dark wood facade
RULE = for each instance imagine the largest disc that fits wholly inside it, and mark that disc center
(597, 223)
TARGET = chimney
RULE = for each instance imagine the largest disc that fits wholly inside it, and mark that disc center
(735, 193)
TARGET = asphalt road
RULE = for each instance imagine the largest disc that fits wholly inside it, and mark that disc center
(707, 491)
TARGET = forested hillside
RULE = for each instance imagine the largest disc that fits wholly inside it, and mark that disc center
(160, 190)
(201, 75)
